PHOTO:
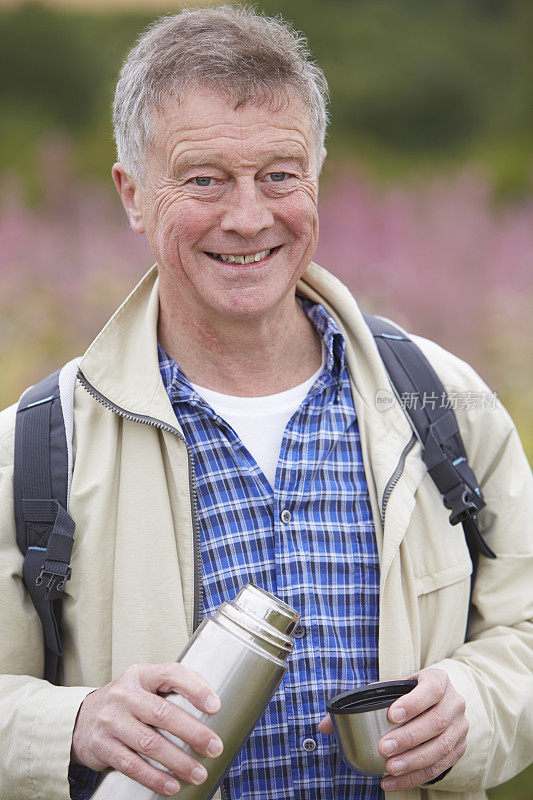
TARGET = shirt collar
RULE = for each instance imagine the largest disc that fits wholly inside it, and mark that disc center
(332, 339)
(179, 388)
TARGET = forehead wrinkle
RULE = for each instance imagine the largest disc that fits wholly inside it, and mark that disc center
(241, 133)
(224, 129)
(177, 119)
(183, 158)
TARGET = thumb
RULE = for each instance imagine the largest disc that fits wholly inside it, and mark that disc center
(325, 725)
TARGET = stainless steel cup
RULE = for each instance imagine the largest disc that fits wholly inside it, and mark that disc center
(359, 719)
(241, 652)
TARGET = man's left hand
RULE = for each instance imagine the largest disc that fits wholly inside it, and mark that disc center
(432, 737)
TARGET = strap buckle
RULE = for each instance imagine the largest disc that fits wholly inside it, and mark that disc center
(57, 577)
(463, 503)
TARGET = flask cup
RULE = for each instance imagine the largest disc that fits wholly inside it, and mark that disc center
(359, 719)
(241, 652)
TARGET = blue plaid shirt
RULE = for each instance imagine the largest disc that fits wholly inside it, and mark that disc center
(321, 558)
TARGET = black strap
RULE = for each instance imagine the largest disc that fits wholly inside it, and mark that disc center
(45, 531)
(425, 400)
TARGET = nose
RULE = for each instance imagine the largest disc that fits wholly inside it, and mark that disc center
(246, 211)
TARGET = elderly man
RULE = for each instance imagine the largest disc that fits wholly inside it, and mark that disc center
(225, 430)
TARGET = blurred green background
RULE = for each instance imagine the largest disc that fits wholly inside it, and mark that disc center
(427, 210)
(414, 85)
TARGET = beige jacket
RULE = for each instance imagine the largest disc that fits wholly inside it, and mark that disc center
(130, 598)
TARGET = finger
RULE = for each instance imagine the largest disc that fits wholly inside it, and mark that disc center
(136, 768)
(431, 688)
(159, 712)
(421, 729)
(150, 743)
(325, 725)
(435, 750)
(420, 777)
(174, 677)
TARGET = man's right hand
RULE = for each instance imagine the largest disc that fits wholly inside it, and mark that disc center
(119, 721)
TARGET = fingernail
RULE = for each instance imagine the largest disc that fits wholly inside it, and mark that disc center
(199, 774)
(172, 787)
(398, 714)
(212, 704)
(215, 747)
(388, 784)
(389, 746)
(397, 767)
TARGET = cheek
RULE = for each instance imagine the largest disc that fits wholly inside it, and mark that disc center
(301, 213)
(183, 223)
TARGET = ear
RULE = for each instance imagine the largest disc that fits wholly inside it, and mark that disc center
(131, 196)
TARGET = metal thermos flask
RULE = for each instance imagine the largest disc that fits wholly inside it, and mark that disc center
(241, 652)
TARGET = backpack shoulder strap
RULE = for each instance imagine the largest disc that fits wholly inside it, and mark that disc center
(42, 476)
(435, 424)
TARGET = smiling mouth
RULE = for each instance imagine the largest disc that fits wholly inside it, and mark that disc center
(252, 258)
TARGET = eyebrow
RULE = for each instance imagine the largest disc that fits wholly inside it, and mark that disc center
(189, 161)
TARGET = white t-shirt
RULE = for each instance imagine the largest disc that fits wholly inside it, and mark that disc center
(260, 422)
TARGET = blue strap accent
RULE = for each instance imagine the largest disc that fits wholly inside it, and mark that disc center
(39, 402)
(38, 548)
(459, 461)
(392, 336)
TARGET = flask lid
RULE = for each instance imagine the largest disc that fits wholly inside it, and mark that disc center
(265, 606)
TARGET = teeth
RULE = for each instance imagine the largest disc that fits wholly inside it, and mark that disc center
(230, 259)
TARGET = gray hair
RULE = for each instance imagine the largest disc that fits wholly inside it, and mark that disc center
(243, 54)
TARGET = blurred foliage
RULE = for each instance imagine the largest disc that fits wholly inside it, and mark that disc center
(520, 788)
(413, 84)
(445, 261)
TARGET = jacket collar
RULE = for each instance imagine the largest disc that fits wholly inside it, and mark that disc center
(122, 364)
(128, 344)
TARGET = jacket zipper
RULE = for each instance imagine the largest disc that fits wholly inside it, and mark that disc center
(395, 477)
(156, 423)
(397, 474)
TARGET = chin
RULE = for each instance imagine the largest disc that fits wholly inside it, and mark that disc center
(246, 307)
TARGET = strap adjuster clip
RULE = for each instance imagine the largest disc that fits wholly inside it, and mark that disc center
(463, 506)
(56, 579)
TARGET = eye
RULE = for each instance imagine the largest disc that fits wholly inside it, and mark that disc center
(277, 177)
(202, 180)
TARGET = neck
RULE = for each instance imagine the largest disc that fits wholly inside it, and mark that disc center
(242, 357)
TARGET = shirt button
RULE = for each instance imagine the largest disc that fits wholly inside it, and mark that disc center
(285, 515)
(299, 632)
(309, 745)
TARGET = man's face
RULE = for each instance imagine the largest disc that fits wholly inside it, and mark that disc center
(222, 184)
